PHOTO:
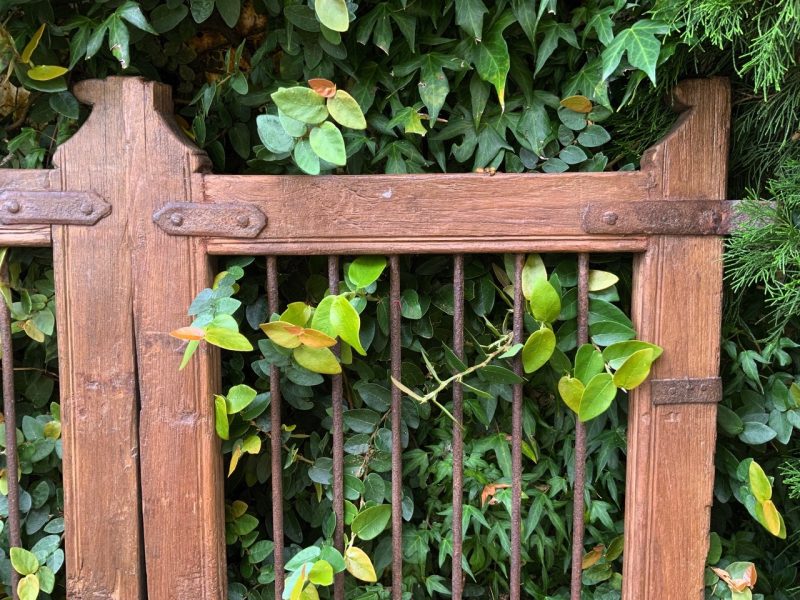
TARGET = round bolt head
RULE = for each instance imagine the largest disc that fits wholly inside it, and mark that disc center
(87, 208)
(610, 218)
(243, 220)
(176, 219)
(12, 206)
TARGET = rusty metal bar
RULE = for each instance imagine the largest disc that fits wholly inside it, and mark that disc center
(275, 436)
(457, 584)
(676, 217)
(22, 207)
(231, 219)
(10, 415)
(338, 442)
(686, 391)
(397, 447)
(516, 439)
(580, 439)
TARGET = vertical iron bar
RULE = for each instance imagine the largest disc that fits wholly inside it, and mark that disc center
(397, 449)
(516, 440)
(276, 435)
(458, 437)
(580, 438)
(338, 442)
(10, 414)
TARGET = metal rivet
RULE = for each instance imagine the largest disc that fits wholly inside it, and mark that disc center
(176, 219)
(243, 220)
(87, 208)
(672, 390)
(703, 387)
(12, 206)
(610, 218)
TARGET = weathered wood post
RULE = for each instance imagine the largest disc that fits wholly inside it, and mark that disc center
(677, 304)
(121, 286)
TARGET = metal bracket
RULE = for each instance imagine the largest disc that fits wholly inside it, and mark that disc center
(232, 220)
(665, 217)
(686, 391)
(19, 207)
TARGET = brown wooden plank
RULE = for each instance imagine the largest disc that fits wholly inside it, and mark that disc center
(98, 369)
(27, 180)
(677, 304)
(424, 213)
(181, 466)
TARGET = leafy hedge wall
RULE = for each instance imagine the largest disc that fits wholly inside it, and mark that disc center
(519, 85)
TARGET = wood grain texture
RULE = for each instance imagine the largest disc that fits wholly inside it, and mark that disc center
(29, 180)
(97, 368)
(677, 304)
(427, 213)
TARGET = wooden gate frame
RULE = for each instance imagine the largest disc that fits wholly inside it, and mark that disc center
(142, 466)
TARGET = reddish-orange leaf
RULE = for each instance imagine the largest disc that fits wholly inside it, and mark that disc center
(489, 490)
(748, 580)
(324, 87)
(594, 555)
(316, 339)
(188, 333)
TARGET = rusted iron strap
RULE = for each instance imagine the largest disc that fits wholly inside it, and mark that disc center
(21, 207)
(686, 391)
(681, 217)
(232, 220)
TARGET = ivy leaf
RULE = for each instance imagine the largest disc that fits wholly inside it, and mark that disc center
(538, 349)
(318, 360)
(229, 10)
(553, 32)
(469, 16)
(597, 397)
(327, 143)
(333, 14)
(345, 110)
(640, 44)
(433, 85)
(494, 62)
(119, 40)
(346, 322)
(301, 103)
(201, 9)
(132, 13)
(359, 565)
(371, 521)
(634, 370)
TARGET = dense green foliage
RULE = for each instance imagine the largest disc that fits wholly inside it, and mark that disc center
(513, 86)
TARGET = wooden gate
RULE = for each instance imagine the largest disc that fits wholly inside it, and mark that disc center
(142, 465)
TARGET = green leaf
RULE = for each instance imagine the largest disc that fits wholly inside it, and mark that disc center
(346, 322)
(221, 417)
(588, 363)
(494, 62)
(305, 158)
(359, 565)
(229, 10)
(597, 397)
(47, 579)
(227, 339)
(191, 348)
(24, 562)
(319, 360)
(301, 103)
(132, 13)
(306, 555)
(46, 72)
(118, 41)
(759, 482)
(64, 103)
(469, 16)
(634, 370)
(272, 134)
(27, 52)
(593, 136)
(571, 391)
(239, 397)
(365, 270)
(371, 522)
(545, 302)
(345, 110)
(433, 86)
(538, 349)
(201, 9)
(28, 588)
(321, 573)
(362, 420)
(755, 433)
(769, 517)
(533, 271)
(600, 280)
(616, 354)
(333, 14)
(572, 155)
(327, 143)
(641, 46)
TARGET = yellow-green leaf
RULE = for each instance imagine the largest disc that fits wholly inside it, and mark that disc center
(365, 270)
(221, 417)
(227, 339)
(759, 483)
(333, 14)
(297, 313)
(346, 111)
(538, 349)
(768, 515)
(251, 444)
(46, 72)
(359, 565)
(321, 573)
(634, 370)
(532, 271)
(283, 333)
(28, 588)
(545, 302)
(319, 360)
(571, 391)
(346, 322)
(31, 45)
(588, 363)
(239, 397)
(597, 396)
(600, 280)
(316, 339)
(235, 456)
(309, 593)
(23, 561)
